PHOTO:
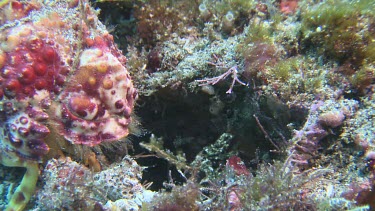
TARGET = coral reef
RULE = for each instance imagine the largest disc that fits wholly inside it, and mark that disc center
(243, 104)
(304, 113)
(331, 28)
(71, 186)
(323, 118)
(360, 129)
(181, 198)
(67, 186)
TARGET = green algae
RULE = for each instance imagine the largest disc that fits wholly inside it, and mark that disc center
(334, 29)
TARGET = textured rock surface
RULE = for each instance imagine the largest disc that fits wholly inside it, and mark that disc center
(71, 186)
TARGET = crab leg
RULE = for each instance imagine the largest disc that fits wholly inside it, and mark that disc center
(26, 189)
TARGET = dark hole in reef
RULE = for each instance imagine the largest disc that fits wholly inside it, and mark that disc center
(119, 20)
(13, 174)
(10, 176)
(183, 121)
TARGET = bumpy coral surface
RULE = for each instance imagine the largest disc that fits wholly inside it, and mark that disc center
(60, 76)
(71, 186)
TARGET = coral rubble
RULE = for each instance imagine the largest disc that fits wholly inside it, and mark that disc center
(72, 186)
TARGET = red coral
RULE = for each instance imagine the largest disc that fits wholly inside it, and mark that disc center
(257, 58)
(288, 6)
(237, 165)
(33, 65)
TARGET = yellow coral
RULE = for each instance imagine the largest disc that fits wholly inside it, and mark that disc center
(3, 2)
